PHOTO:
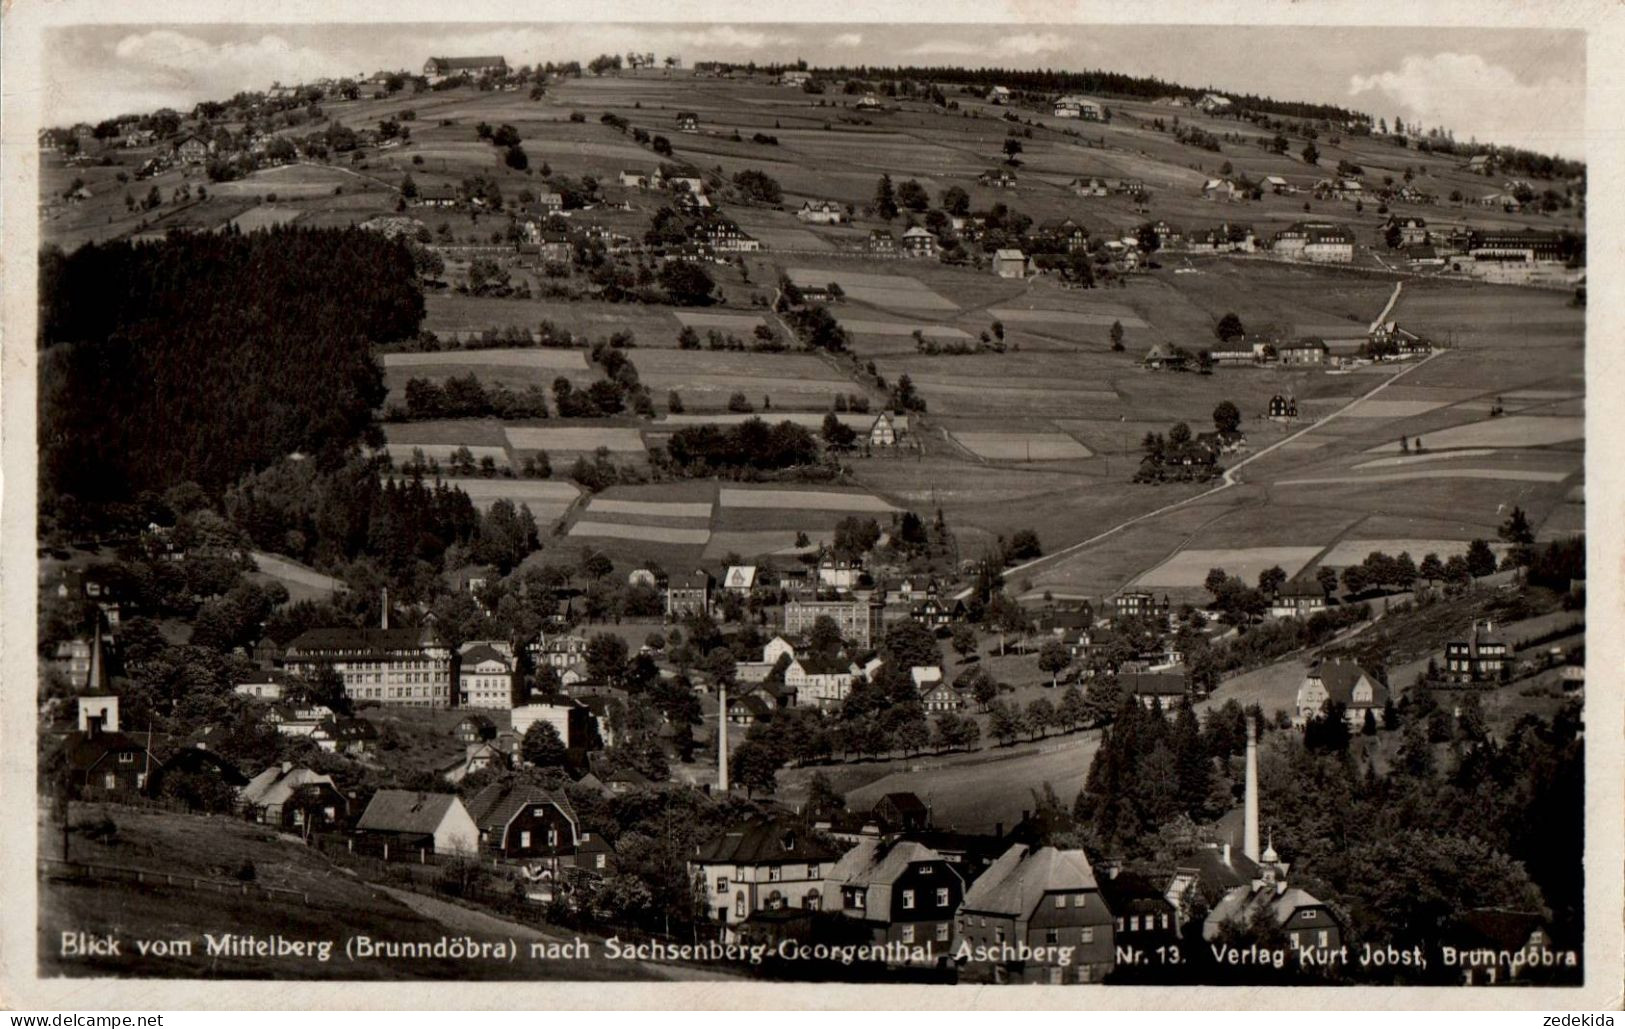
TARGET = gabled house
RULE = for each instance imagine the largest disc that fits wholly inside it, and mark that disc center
(524, 822)
(1501, 941)
(437, 69)
(1282, 408)
(1081, 107)
(295, 799)
(1309, 925)
(1144, 916)
(487, 678)
(408, 820)
(1482, 657)
(998, 178)
(1066, 232)
(824, 680)
(917, 242)
(191, 150)
(1340, 682)
(474, 728)
(821, 212)
(689, 594)
(1010, 263)
(762, 864)
(1223, 189)
(688, 121)
(748, 709)
(883, 433)
(1042, 899)
(1089, 187)
(881, 241)
(1161, 356)
(476, 757)
(1166, 688)
(107, 765)
(1307, 351)
(1299, 598)
(903, 892)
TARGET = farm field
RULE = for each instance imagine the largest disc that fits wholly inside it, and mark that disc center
(548, 499)
(573, 439)
(1509, 431)
(1190, 567)
(301, 582)
(454, 361)
(802, 500)
(805, 419)
(1353, 551)
(1022, 446)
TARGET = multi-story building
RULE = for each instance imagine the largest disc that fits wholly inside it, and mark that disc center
(1028, 909)
(761, 865)
(394, 667)
(903, 892)
(1481, 657)
(485, 678)
(689, 594)
(859, 618)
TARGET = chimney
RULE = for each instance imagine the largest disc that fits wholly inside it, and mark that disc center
(1249, 844)
(385, 624)
(722, 737)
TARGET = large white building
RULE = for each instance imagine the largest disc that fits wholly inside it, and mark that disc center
(485, 677)
(394, 667)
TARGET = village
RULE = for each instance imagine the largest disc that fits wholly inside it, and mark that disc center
(996, 605)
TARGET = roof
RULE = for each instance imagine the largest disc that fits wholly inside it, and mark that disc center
(926, 675)
(1125, 888)
(1218, 871)
(1155, 684)
(496, 805)
(83, 751)
(1241, 902)
(740, 577)
(346, 638)
(906, 803)
(1009, 254)
(406, 811)
(1017, 881)
(1340, 678)
(274, 786)
(764, 841)
(753, 705)
(873, 863)
(1301, 586)
(481, 652)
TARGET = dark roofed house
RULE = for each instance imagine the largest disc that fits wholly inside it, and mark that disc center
(1041, 898)
(446, 67)
(761, 865)
(410, 821)
(688, 121)
(107, 765)
(1144, 915)
(1340, 682)
(524, 822)
(902, 812)
(1300, 597)
(748, 709)
(903, 891)
(1483, 656)
(294, 798)
(1167, 688)
(474, 728)
(1497, 938)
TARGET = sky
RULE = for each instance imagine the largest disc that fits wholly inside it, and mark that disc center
(1523, 87)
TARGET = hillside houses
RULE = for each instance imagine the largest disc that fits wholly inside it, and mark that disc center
(1080, 107)
(1010, 263)
(821, 212)
(1322, 242)
(917, 242)
(1483, 656)
(409, 820)
(761, 865)
(902, 892)
(997, 178)
(438, 69)
(1338, 682)
(1089, 187)
(1046, 899)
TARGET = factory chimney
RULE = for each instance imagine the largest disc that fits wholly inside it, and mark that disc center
(1249, 843)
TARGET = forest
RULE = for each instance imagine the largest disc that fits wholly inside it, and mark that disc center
(209, 355)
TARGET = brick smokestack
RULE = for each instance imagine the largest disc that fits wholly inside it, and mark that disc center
(1249, 839)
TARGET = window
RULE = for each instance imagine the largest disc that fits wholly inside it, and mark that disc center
(908, 934)
(1060, 900)
(552, 837)
(998, 934)
(1077, 900)
(722, 884)
(1165, 919)
(774, 873)
(812, 871)
(1308, 916)
(739, 906)
(908, 900)
(126, 758)
(524, 837)
(943, 931)
(110, 781)
(1323, 938)
(1052, 936)
(599, 861)
(1134, 923)
(1119, 925)
(942, 897)
(1088, 934)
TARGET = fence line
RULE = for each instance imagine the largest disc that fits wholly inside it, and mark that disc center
(79, 870)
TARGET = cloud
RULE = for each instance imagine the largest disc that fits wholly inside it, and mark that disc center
(848, 39)
(728, 37)
(166, 57)
(1023, 44)
(1477, 98)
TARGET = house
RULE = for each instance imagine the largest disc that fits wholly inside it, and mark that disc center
(998, 178)
(917, 242)
(436, 196)
(1009, 263)
(740, 579)
(1277, 185)
(726, 237)
(1140, 604)
(762, 864)
(395, 667)
(688, 121)
(191, 150)
(1299, 598)
(794, 78)
(1066, 232)
(346, 735)
(1283, 408)
(1484, 656)
(1153, 689)
(1308, 924)
(294, 798)
(821, 212)
(1143, 915)
(1238, 352)
(689, 594)
(941, 696)
(1223, 189)
(859, 618)
(1325, 242)
(1168, 234)
(1214, 103)
(1412, 231)
(1161, 356)
(819, 679)
(1390, 339)
(523, 822)
(414, 821)
(1340, 682)
(487, 678)
(883, 433)
(438, 69)
(998, 95)
(1527, 246)
(748, 709)
(867, 102)
(1480, 163)
(1080, 107)
(901, 812)
(634, 179)
(936, 613)
(548, 203)
(925, 676)
(570, 718)
(1306, 351)
(902, 892)
(476, 757)
(881, 241)
(1500, 943)
(1423, 256)
(1089, 187)
(839, 573)
(1038, 904)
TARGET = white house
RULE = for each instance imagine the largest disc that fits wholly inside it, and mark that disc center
(410, 817)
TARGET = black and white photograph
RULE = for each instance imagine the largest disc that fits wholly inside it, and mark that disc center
(802, 503)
